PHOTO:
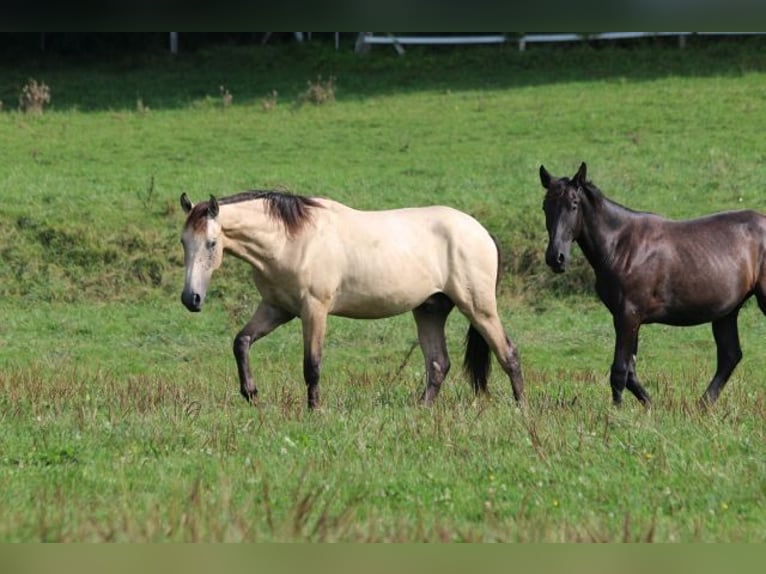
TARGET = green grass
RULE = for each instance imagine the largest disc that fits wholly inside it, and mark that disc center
(120, 417)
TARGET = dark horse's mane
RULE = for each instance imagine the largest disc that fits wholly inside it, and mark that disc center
(290, 209)
(602, 199)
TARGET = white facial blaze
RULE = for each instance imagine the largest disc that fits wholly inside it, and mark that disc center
(203, 253)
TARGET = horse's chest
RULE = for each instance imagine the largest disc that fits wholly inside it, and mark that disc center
(279, 291)
(615, 293)
(609, 293)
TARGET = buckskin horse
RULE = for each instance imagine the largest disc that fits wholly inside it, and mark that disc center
(650, 269)
(313, 257)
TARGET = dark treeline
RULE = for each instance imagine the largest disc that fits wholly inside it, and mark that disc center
(90, 44)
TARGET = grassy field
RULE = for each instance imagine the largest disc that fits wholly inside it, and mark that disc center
(120, 418)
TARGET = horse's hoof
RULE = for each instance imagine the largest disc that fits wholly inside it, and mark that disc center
(705, 404)
(427, 399)
(647, 406)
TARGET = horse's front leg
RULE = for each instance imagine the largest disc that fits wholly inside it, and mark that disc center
(633, 385)
(265, 319)
(314, 320)
(626, 338)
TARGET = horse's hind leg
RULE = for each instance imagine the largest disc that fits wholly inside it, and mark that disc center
(489, 326)
(265, 319)
(430, 318)
(729, 352)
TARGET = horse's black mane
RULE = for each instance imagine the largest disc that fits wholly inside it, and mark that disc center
(291, 209)
(591, 187)
(599, 196)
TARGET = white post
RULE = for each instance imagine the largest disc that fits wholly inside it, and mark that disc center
(174, 43)
(361, 46)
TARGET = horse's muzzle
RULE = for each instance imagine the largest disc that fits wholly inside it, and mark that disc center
(192, 301)
(556, 261)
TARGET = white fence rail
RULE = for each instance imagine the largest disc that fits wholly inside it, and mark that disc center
(366, 39)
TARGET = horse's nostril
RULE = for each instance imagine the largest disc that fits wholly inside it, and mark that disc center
(560, 258)
(192, 301)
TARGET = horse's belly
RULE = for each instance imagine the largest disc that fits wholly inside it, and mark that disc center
(382, 298)
(684, 317)
(372, 307)
(697, 307)
(375, 291)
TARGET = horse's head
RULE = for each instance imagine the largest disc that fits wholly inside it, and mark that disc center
(563, 216)
(203, 249)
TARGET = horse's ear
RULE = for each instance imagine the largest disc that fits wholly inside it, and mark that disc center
(545, 177)
(186, 203)
(581, 174)
(212, 208)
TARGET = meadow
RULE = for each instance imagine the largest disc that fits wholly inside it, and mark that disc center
(120, 415)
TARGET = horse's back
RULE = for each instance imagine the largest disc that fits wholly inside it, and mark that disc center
(747, 217)
(727, 230)
(390, 261)
(427, 226)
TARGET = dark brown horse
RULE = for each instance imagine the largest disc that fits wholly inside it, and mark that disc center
(653, 270)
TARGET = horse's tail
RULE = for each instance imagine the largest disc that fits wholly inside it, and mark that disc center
(477, 363)
(477, 360)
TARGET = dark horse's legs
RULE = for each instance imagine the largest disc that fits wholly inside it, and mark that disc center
(430, 318)
(265, 319)
(623, 372)
(729, 354)
(632, 384)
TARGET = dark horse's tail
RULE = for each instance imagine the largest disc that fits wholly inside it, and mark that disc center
(477, 361)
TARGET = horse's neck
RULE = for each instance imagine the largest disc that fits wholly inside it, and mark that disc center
(602, 218)
(250, 232)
